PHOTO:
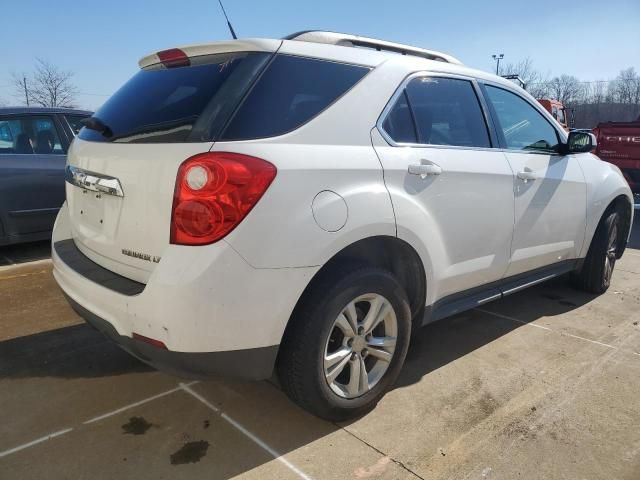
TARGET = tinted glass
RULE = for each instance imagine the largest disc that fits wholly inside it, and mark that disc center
(163, 104)
(447, 112)
(399, 124)
(74, 122)
(524, 128)
(291, 92)
(29, 135)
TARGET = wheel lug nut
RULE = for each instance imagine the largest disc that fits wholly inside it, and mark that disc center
(354, 356)
(360, 330)
(364, 353)
(350, 342)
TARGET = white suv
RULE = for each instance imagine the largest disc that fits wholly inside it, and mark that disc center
(301, 205)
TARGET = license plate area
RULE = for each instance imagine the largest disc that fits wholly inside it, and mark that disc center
(95, 215)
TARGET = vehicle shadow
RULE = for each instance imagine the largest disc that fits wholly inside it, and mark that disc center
(77, 351)
(447, 340)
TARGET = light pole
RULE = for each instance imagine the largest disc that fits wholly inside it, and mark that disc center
(497, 58)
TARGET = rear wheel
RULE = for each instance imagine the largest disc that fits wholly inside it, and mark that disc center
(597, 270)
(346, 343)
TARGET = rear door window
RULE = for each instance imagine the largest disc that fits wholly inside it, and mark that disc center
(447, 112)
(29, 134)
(160, 104)
(290, 92)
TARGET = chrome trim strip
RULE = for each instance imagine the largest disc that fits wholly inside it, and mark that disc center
(530, 284)
(96, 182)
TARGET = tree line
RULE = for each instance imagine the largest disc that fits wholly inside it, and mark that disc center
(592, 101)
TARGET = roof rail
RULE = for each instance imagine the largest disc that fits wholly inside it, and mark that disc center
(346, 40)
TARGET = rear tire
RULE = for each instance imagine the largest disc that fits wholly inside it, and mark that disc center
(331, 340)
(597, 270)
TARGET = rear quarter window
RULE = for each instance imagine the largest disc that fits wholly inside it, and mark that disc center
(291, 91)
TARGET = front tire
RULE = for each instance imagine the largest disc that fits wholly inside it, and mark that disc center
(597, 270)
(346, 343)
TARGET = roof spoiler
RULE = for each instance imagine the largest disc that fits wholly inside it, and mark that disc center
(346, 40)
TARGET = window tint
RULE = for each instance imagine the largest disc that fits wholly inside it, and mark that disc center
(161, 104)
(29, 135)
(524, 128)
(74, 122)
(399, 124)
(447, 112)
(290, 92)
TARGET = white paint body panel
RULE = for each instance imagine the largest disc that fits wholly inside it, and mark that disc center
(461, 219)
(238, 293)
(550, 210)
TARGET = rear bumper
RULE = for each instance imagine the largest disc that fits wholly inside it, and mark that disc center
(216, 314)
(253, 364)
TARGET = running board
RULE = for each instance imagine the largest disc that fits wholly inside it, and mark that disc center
(475, 297)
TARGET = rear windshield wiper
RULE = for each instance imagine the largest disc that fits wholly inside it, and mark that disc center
(156, 129)
(94, 123)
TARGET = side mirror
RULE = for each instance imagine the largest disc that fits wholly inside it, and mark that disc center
(580, 142)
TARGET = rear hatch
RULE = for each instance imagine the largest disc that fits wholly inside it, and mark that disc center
(121, 172)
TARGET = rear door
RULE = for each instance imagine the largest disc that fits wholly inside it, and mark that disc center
(32, 161)
(550, 190)
(448, 185)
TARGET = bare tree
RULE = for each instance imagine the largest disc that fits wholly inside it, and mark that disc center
(48, 86)
(536, 82)
(597, 92)
(565, 88)
(626, 87)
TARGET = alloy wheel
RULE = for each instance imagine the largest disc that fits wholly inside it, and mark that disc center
(360, 346)
(610, 254)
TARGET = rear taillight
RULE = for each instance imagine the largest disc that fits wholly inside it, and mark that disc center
(214, 192)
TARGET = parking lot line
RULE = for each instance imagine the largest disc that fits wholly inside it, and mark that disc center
(95, 419)
(506, 317)
(134, 404)
(258, 441)
(35, 442)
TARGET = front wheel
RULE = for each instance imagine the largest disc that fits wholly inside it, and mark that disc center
(346, 344)
(597, 270)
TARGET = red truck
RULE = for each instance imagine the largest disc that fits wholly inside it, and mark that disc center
(619, 143)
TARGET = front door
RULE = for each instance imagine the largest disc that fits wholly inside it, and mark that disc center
(451, 191)
(550, 190)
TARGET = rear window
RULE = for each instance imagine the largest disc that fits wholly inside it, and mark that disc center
(161, 104)
(204, 101)
(291, 92)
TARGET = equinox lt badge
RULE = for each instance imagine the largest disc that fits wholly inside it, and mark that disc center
(142, 256)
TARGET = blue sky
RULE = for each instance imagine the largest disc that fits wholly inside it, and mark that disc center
(591, 39)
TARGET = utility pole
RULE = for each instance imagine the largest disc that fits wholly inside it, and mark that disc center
(497, 58)
(26, 90)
